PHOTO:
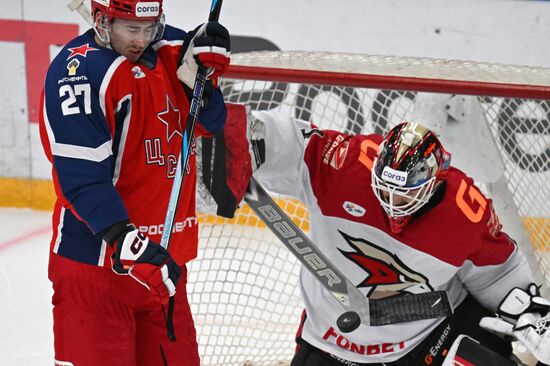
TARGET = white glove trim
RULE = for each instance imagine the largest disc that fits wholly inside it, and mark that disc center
(211, 49)
(187, 72)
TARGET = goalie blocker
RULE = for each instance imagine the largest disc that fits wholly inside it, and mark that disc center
(224, 165)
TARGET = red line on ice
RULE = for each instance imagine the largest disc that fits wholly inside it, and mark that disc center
(12, 242)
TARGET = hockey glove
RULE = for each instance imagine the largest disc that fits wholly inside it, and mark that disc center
(526, 317)
(224, 165)
(145, 261)
(209, 45)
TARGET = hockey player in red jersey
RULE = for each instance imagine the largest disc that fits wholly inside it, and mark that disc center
(396, 218)
(112, 115)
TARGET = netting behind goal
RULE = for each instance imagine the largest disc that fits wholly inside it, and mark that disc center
(494, 119)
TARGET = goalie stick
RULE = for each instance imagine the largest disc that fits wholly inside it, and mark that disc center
(358, 308)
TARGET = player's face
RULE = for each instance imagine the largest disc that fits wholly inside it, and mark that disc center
(401, 199)
(131, 37)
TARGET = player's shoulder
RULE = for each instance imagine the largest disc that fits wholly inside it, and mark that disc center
(342, 155)
(326, 136)
(368, 144)
(340, 149)
(458, 181)
(171, 36)
(465, 203)
(83, 60)
(172, 33)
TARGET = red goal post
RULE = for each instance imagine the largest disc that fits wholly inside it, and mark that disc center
(392, 72)
(494, 119)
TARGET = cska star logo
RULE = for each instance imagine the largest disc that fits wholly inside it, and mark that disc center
(387, 275)
(81, 51)
(171, 117)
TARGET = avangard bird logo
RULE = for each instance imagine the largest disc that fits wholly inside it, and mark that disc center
(387, 275)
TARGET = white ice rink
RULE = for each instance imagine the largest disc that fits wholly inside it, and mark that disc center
(231, 332)
(25, 291)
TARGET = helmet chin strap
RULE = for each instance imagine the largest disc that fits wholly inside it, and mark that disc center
(105, 39)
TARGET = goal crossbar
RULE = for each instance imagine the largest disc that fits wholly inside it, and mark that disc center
(384, 72)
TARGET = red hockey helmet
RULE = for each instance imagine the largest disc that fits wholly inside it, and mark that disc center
(128, 9)
(410, 164)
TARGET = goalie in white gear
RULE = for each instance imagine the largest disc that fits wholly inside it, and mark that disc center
(395, 218)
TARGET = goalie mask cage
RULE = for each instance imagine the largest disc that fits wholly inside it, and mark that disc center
(494, 119)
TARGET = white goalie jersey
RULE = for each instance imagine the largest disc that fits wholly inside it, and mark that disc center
(456, 246)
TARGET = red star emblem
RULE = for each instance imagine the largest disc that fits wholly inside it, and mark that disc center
(81, 50)
(171, 117)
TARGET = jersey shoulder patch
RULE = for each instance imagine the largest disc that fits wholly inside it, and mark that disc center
(82, 60)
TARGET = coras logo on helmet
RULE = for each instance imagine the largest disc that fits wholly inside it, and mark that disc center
(394, 176)
(148, 9)
(128, 9)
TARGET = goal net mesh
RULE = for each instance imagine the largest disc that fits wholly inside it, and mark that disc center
(243, 285)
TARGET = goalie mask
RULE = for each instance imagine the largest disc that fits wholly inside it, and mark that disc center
(130, 10)
(409, 167)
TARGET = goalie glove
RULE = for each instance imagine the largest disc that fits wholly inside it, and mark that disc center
(145, 261)
(210, 45)
(524, 315)
(225, 163)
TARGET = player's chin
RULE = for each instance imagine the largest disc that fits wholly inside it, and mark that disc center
(133, 56)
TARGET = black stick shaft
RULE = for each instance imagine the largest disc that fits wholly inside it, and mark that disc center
(215, 10)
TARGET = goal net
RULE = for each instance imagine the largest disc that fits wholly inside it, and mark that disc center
(494, 119)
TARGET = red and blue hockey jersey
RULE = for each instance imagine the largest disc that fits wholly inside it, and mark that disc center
(113, 132)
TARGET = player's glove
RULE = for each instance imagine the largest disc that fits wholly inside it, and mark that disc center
(524, 315)
(147, 262)
(226, 161)
(209, 45)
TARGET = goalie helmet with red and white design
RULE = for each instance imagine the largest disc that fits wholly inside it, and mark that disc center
(130, 10)
(407, 171)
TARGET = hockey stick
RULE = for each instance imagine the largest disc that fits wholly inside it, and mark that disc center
(188, 135)
(78, 5)
(188, 138)
(358, 308)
